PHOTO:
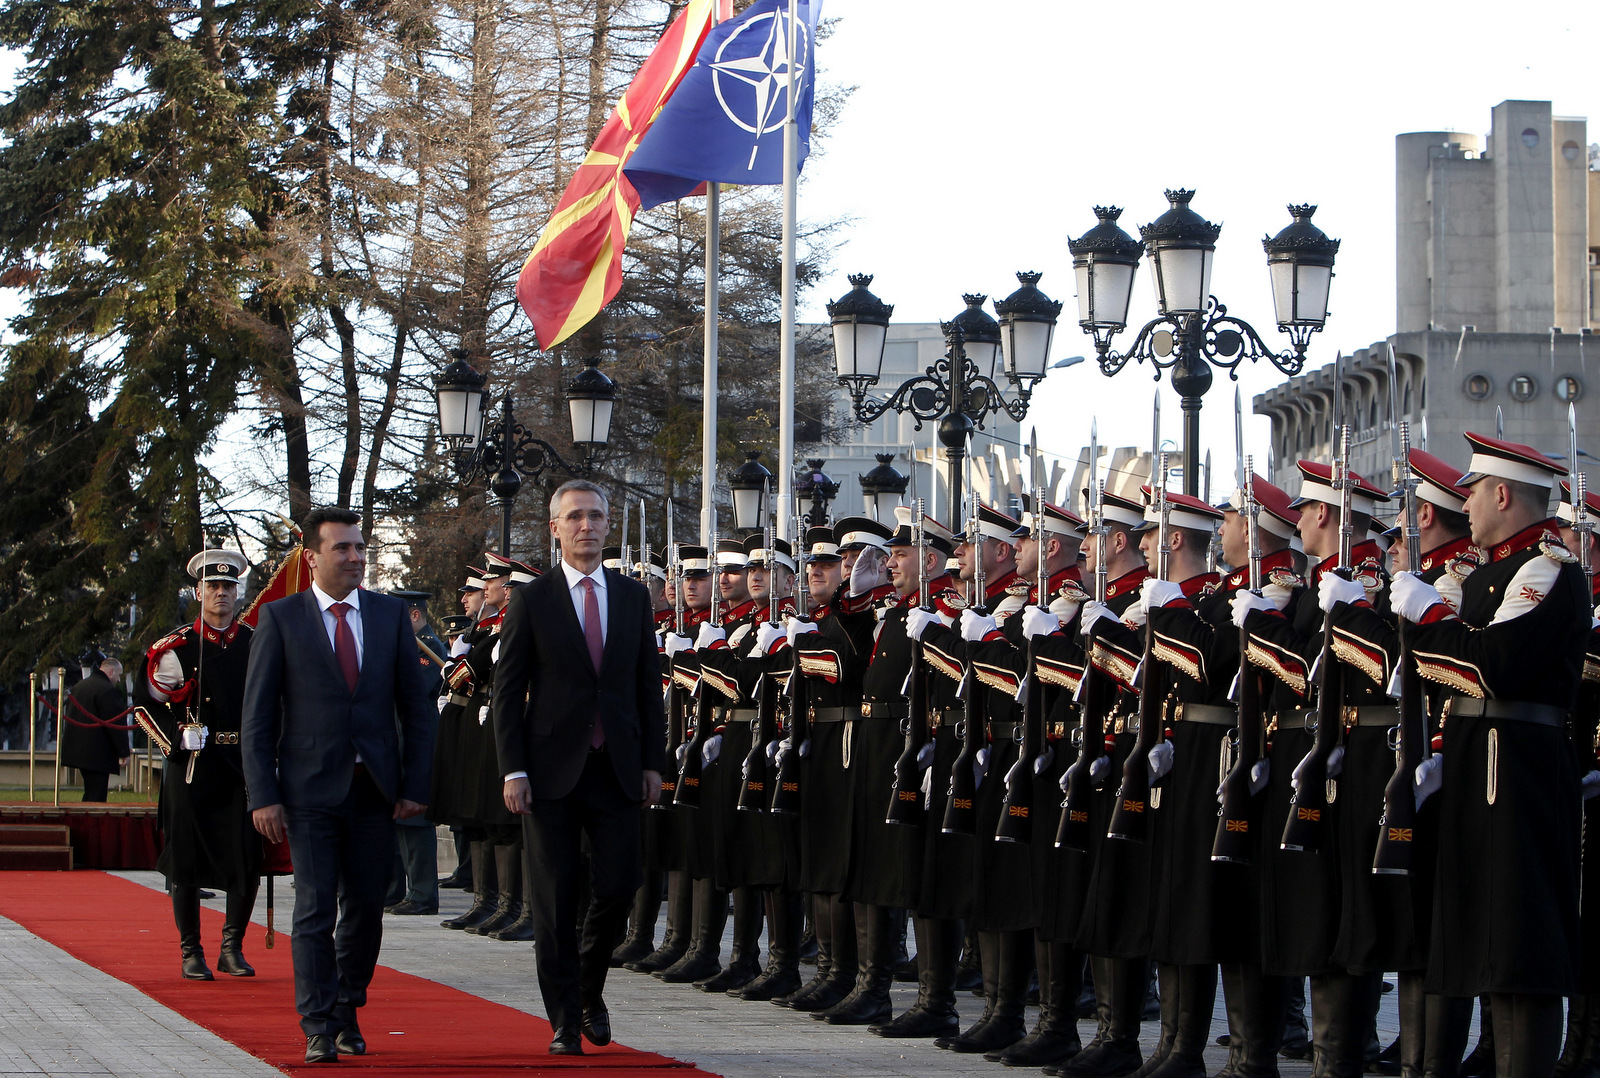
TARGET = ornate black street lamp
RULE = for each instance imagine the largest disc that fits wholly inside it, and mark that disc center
(882, 489)
(508, 452)
(960, 390)
(1194, 332)
(814, 486)
(751, 484)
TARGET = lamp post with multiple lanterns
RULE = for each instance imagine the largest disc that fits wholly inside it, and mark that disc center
(508, 452)
(1193, 331)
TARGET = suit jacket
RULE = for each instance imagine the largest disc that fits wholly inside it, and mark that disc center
(302, 728)
(94, 748)
(546, 691)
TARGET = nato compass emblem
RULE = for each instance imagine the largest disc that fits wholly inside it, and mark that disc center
(751, 74)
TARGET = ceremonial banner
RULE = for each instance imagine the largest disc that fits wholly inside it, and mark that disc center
(576, 266)
(725, 123)
(293, 576)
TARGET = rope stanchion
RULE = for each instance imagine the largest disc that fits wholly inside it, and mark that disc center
(61, 705)
(33, 727)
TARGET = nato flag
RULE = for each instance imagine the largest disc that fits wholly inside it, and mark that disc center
(724, 123)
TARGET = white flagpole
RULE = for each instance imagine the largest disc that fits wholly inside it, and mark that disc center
(708, 422)
(791, 158)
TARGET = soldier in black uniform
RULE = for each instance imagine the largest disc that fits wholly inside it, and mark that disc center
(415, 888)
(887, 861)
(1506, 903)
(1325, 913)
(835, 649)
(1207, 912)
(1001, 910)
(193, 691)
(470, 595)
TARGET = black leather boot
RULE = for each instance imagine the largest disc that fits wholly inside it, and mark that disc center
(186, 915)
(785, 916)
(1589, 1063)
(486, 896)
(1005, 1027)
(1447, 1022)
(1577, 1034)
(1480, 1062)
(1126, 982)
(704, 956)
(969, 971)
(989, 963)
(934, 1013)
(744, 964)
(836, 977)
(1055, 1036)
(520, 930)
(1196, 987)
(1167, 976)
(680, 926)
(1411, 1003)
(1341, 1006)
(905, 963)
(640, 941)
(508, 875)
(230, 959)
(1256, 1005)
(868, 1002)
(1527, 1034)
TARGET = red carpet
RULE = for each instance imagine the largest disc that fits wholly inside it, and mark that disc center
(96, 917)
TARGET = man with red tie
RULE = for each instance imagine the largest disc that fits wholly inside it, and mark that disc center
(581, 737)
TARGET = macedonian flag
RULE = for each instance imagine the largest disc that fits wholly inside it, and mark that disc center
(576, 267)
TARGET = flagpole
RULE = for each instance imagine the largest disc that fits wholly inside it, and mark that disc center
(708, 434)
(791, 159)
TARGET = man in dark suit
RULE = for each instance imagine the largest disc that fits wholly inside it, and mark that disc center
(332, 670)
(93, 735)
(581, 737)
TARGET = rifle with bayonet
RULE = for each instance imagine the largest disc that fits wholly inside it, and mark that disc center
(1016, 810)
(677, 696)
(786, 779)
(905, 801)
(1307, 827)
(960, 809)
(1073, 830)
(1233, 842)
(753, 793)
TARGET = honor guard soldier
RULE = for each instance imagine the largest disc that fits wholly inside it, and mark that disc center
(887, 859)
(696, 911)
(192, 694)
(415, 888)
(456, 627)
(1325, 914)
(835, 645)
(1510, 814)
(1000, 908)
(1582, 1049)
(1204, 909)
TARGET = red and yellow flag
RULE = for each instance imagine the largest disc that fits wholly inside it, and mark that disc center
(292, 577)
(576, 267)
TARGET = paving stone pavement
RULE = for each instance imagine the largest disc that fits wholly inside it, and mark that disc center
(61, 1017)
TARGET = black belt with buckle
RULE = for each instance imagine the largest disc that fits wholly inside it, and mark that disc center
(1006, 731)
(740, 714)
(1369, 715)
(231, 737)
(947, 716)
(1522, 711)
(884, 709)
(1209, 714)
(833, 714)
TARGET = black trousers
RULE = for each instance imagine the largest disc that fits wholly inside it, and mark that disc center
(96, 785)
(572, 971)
(343, 858)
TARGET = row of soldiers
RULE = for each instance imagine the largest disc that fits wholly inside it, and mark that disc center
(906, 682)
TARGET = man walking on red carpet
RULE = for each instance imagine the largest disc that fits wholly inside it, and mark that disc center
(333, 670)
(581, 737)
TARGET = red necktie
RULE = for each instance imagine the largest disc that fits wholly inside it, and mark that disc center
(344, 646)
(591, 634)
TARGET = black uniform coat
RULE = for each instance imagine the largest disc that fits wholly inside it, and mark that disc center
(1506, 904)
(464, 746)
(1586, 751)
(94, 747)
(209, 839)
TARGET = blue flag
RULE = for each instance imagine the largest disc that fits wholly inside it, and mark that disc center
(724, 123)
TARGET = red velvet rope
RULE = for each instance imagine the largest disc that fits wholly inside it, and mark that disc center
(95, 722)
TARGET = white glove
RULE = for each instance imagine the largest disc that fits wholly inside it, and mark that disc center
(1042, 763)
(1154, 593)
(1160, 761)
(194, 738)
(1410, 598)
(1036, 622)
(676, 643)
(927, 789)
(805, 748)
(1099, 769)
(1591, 784)
(1429, 777)
(797, 627)
(774, 750)
(1335, 765)
(925, 756)
(980, 766)
(975, 626)
(709, 634)
(1245, 601)
(441, 702)
(483, 715)
(1335, 589)
(767, 634)
(682, 754)
(1135, 616)
(1260, 771)
(868, 572)
(1091, 612)
(711, 749)
(918, 620)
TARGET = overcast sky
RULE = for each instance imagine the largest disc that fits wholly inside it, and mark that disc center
(981, 134)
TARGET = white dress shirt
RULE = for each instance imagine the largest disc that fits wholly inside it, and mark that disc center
(330, 621)
(575, 580)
